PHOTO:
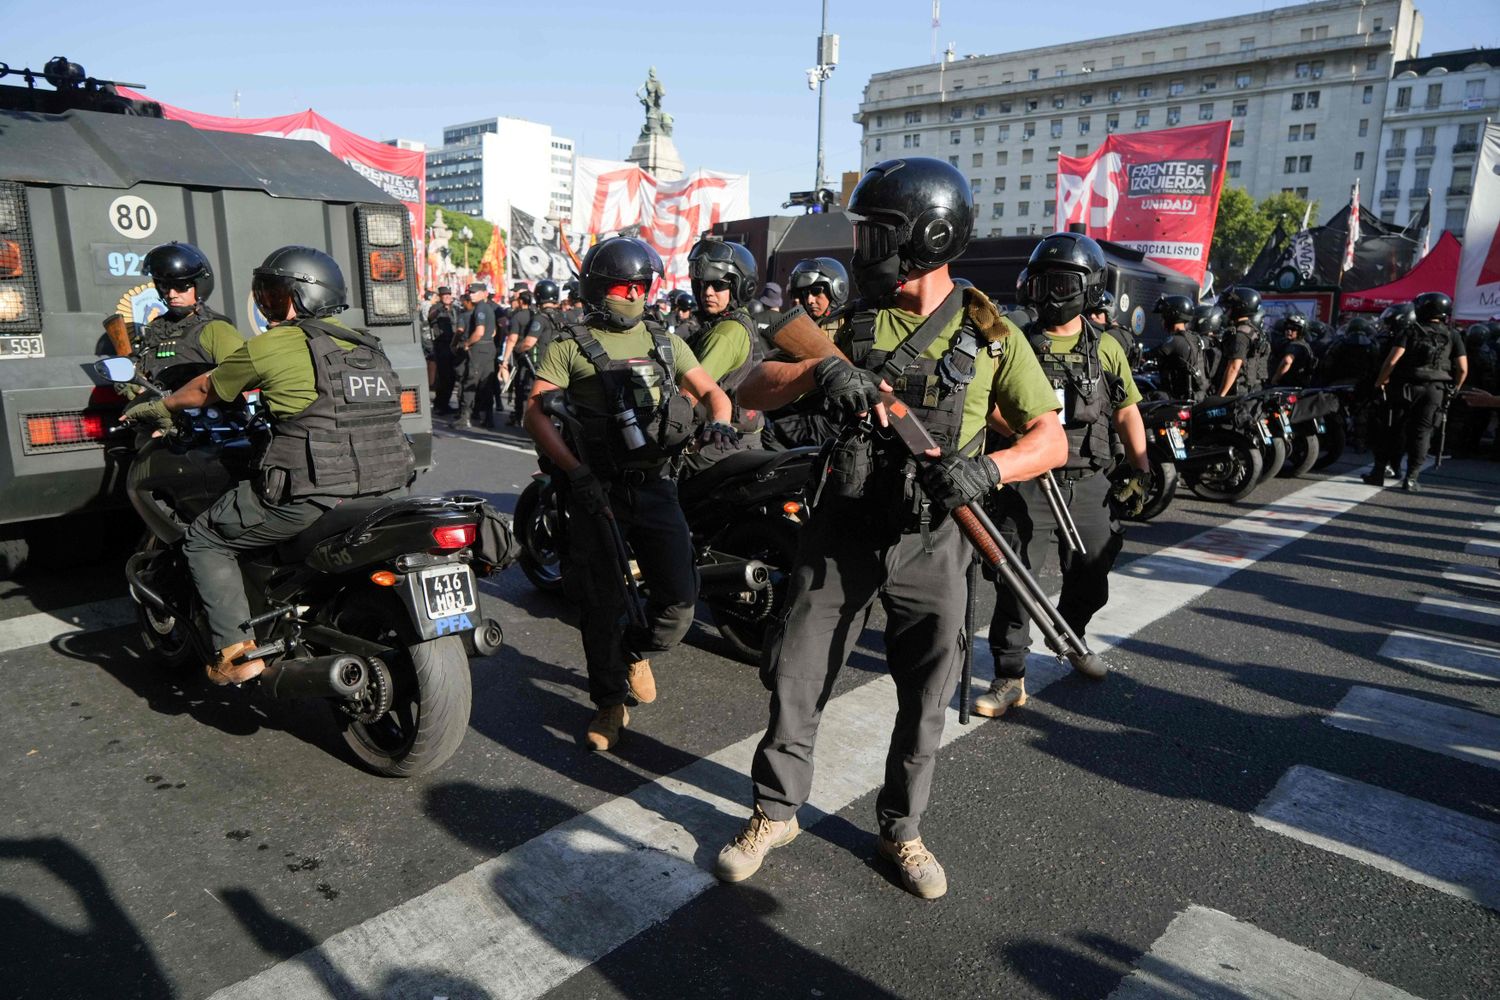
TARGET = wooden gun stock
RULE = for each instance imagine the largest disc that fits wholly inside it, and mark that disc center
(119, 335)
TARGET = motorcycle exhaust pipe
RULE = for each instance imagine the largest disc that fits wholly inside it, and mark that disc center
(485, 639)
(733, 577)
(341, 675)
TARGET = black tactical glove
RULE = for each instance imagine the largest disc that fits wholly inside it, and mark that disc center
(847, 391)
(1130, 493)
(953, 480)
(587, 491)
(716, 432)
(151, 414)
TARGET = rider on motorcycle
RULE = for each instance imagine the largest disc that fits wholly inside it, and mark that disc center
(188, 333)
(336, 433)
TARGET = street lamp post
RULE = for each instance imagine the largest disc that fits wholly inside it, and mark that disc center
(828, 58)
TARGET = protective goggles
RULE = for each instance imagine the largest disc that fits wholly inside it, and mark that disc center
(876, 240)
(1054, 286)
(629, 289)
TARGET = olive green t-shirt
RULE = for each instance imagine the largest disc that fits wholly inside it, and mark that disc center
(1011, 380)
(565, 366)
(220, 340)
(279, 364)
(723, 348)
(1111, 358)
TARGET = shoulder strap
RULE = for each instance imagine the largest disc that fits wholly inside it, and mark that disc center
(592, 350)
(861, 334)
(917, 342)
(311, 326)
(661, 346)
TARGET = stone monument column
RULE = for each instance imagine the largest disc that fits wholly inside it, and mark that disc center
(654, 151)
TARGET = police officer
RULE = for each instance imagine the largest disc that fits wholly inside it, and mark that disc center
(725, 280)
(1181, 356)
(1090, 374)
(1208, 324)
(188, 333)
(336, 433)
(1241, 357)
(524, 348)
(476, 361)
(683, 320)
(820, 285)
(442, 318)
(572, 305)
(623, 381)
(1471, 422)
(1427, 363)
(1103, 315)
(883, 527)
(1296, 364)
(521, 315)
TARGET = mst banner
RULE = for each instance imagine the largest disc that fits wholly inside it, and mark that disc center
(1477, 296)
(400, 173)
(609, 197)
(1157, 192)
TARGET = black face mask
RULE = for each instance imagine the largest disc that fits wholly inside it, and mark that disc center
(1053, 314)
(878, 280)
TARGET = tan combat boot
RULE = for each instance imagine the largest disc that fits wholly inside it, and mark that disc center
(225, 671)
(920, 873)
(742, 856)
(606, 726)
(642, 682)
(1003, 694)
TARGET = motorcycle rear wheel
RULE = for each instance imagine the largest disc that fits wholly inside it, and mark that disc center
(1164, 480)
(1331, 442)
(774, 542)
(429, 712)
(1232, 477)
(1272, 460)
(1301, 457)
(536, 529)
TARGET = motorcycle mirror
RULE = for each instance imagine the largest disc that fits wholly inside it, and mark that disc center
(116, 369)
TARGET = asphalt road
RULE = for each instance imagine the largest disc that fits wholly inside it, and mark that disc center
(1238, 803)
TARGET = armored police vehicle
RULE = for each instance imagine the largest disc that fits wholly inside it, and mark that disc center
(89, 182)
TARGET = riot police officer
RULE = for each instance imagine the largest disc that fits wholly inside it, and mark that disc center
(623, 381)
(820, 285)
(521, 315)
(1103, 315)
(1243, 348)
(1208, 323)
(442, 318)
(1090, 374)
(476, 360)
(1426, 365)
(684, 319)
(883, 527)
(1295, 367)
(334, 436)
(725, 279)
(1471, 422)
(1181, 356)
(188, 333)
(524, 348)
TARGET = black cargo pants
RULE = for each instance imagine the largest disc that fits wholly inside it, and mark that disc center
(1025, 519)
(656, 533)
(475, 395)
(839, 573)
(1418, 409)
(239, 521)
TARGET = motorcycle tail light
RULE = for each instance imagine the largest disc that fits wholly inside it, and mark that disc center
(1292, 398)
(1184, 415)
(383, 578)
(791, 507)
(454, 536)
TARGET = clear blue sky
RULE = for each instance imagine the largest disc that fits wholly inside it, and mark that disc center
(734, 72)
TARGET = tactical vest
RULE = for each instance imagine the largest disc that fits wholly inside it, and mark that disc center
(348, 442)
(1249, 378)
(743, 420)
(1086, 391)
(546, 326)
(1259, 360)
(1426, 355)
(1184, 370)
(1303, 363)
(167, 343)
(642, 388)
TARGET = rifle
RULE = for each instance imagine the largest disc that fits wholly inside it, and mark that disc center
(1062, 515)
(801, 338)
(1442, 427)
(554, 405)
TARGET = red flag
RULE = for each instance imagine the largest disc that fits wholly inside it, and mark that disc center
(1155, 191)
(1353, 237)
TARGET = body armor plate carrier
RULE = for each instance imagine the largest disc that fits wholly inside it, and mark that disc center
(743, 420)
(1426, 356)
(643, 387)
(167, 343)
(1087, 392)
(348, 442)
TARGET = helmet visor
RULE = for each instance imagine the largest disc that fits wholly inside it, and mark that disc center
(1054, 286)
(875, 241)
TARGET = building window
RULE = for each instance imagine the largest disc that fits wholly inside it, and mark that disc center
(1058, 100)
(1002, 157)
(1116, 62)
(1469, 132)
(1086, 98)
(1032, 74)
(979, 135)
(1180, 53)
(1002, 133)
(1359, 161)
(1290, 165)
(955, 113)
(1304, 164)
(1299, 101)
(1429, 137)
(953, 160)
(1403, 98)
(1246, 44)
(911, 140)
(1031, 104)
(1420, 182)
(1209, 83)
(880, 121)
(1148, 57)
(1083, 125)
(1371, 61)
(999, 183)
(1004, 107)
(977, 160)
(1312, 98)
(1026, 182)
(1241, 80)
(980, 111)
(1239, 109)
(1294, 133)
(914, 118)
(1454, 223)
(1367, 96)
(1144, 90)
(1088, 65)
(1026, 155)
(1434, 94)
(1211, 49)
(1028, 131)
(1111, 123)
(1082, 149)
(1024, 208)
(954, 137)
(997, 210)
(975, 183)
(1056, 128)
(1142, 118)
(1176, 87)
(1232, 168)
(1115, 94)
(1392, 180)
(1364, 127)
(1051, 182)
(1049, 207)
(1174, 115)
(1306, 35)
(1309, 132)
(1379, 21)
(1473, 91)
(877, 144)
(958, 85)
(1052, 152)
(1237, 137)
(984, 81)
(1302, 193)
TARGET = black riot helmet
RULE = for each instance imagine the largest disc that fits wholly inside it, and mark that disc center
(715, 259)
(178, 265)
(1240, 302)
(1063, 278)
(1395, 317)
(1294, 323)
(307, 278)
(619, 260)
(1104, 303)
(1359, 327)
(1208, 319)
(683, 301)
(1175, 309)
(812, 272)
(1432, 307)
(910, 215)
(1476, 336)
(546, 291)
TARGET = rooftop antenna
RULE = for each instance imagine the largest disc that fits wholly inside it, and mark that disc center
(937, 22)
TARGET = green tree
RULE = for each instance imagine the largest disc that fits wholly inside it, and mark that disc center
(456, 221)
(1242, 227)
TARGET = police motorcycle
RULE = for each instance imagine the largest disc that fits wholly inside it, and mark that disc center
(744, 512)
(1217, 446)
(373, 609)
(1166, 425)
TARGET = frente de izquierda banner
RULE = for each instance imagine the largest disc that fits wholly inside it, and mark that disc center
(1157, 192)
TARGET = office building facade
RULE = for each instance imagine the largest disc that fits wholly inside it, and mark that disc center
(485, 167)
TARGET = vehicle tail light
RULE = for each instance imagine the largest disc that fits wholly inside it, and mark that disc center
(10, 259)
(385, 259)
(387, 265)
(454, 536)
(1184, 415)
(20, 295)
(1292, 398)
(792, 508)
(65, 431)
(383, 578)
(411, 401)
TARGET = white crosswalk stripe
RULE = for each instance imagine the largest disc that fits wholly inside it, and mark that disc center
(1446, 850)
(1474, 575)
(1417, 722)
(1454, 656)
(44, 626)
(1206, 953)
(1467, 610)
